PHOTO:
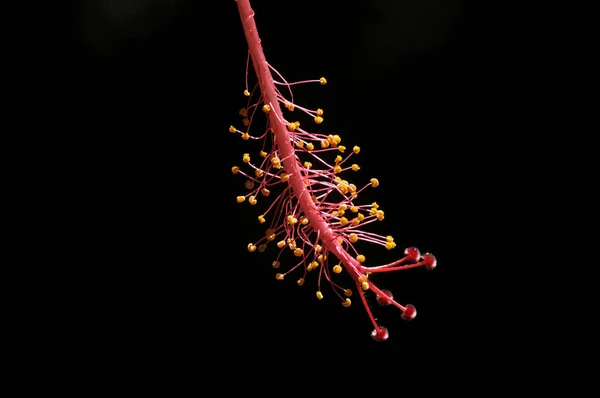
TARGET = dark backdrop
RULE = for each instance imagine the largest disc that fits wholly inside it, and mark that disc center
(441, 97)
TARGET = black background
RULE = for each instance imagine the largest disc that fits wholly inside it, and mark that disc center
(442, 98)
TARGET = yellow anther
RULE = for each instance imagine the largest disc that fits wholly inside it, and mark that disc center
(291, 126)
(261, 219)
(347, 303)
(263, 154)
(334, 213)
(292, 220)
(337, 169)
(258, 173)
(246, 158)
(251, 247)
(312, 266)
(380, 215)
(319, 112)
(265, 192)
(280, 244)
(331, 140)
(284, 177)
(232, 129)
(304, 221)
(300, 144)
(373, 211)
(321, 258)
(390, 245)
(341, 148)
(365, 285)
(310, 146)
(343, 221)
(356, 149)
(360, 216)
(279, 277)
(354, 209)
(241, 199)
(308, 165)
(289, 106)
(266, 108)
(292, 245)
(243, 112)
(246, 93)
(320, 295)
(298, 252)
(348, 292)
(262, 248)
(360, 258)
(323, 81)
(340, 240)
(276, 264)
(275, 161)
(353, 238)
(252, 200)
(318, 248)
(249, 184)
(245, 136)
(363, 278)
(355, 221)
(337, 269)
(389, 238)
(375, 205)
(246, 121)
(297, 123)
(343, 186)
(355, 167)
(375, 182)
(343, 207)
(352, 188)
(338, 159)
(324, 144)
(235, 169)
(318, 120)
(300, 281)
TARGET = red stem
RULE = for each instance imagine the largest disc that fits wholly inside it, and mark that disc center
(290, 163)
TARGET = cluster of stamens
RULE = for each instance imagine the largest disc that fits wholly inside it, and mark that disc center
(328, 247)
